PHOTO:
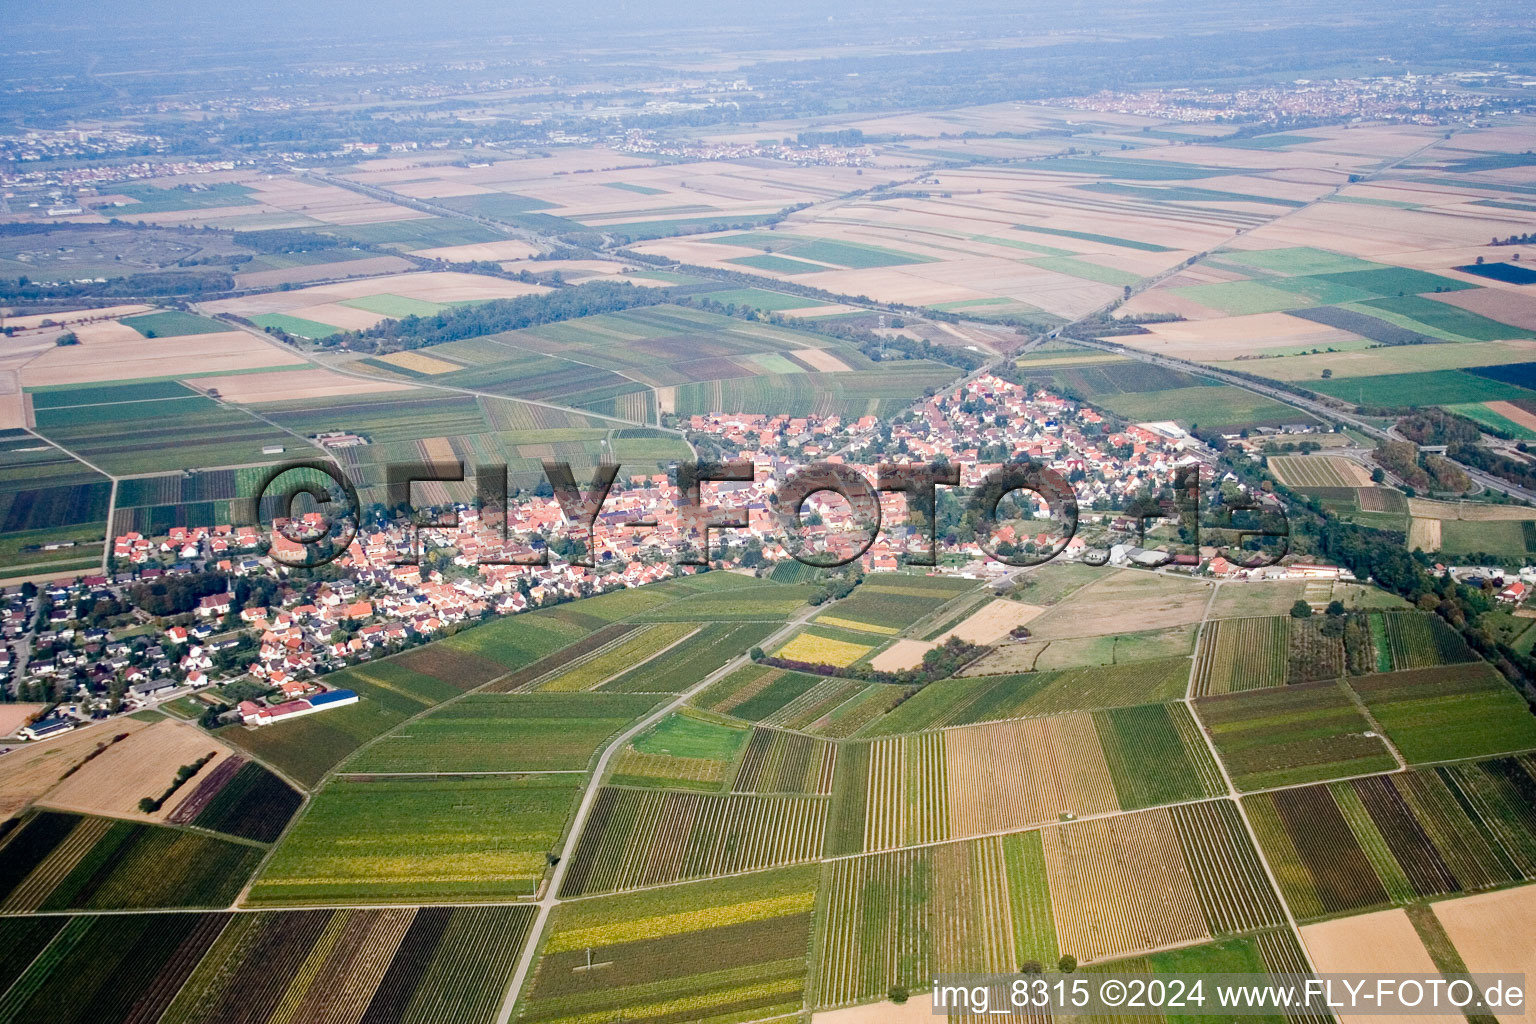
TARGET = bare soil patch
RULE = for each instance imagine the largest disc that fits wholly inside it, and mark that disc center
(901, 654)
(143, 765)
(1126, 602)
(126, 358)
(1492, 932)
(1471, 511)
(14, 716)
(993, 621)
(32, 769)
(281, 385)
(1381, 943)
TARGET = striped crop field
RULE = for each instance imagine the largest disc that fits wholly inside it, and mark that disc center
(404, 965)
(785, 762)
(725, 949)
(633, 648)
(1242, 654)
(1000, 776)
(1344, 847)
(680, 667)
(638, 837)
(1097, 889)
(1420, 640)
(1291, 735)
(1449, 712)
(888, 603)
(56, 861)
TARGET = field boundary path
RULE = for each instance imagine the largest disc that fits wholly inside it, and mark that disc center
(589, 797)
(1232, 793)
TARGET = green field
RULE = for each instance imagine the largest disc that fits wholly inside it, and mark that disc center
(760, 299)
(125, 432)
(888, 603)
(1088, 236)
(174, 324)
(57, 861)
(993, 698)
(1296, 261)
(396, 306)
(1435, 387)
(779, 264)
(731, 949)
(1219, 406)
(1479, 413)
(1449, 712)
(683, 735)
(421, 233)
(1294, 734)
(152, 199)
(421, 839)
(504, 732)
(1402, 838)
(1085, 270)
(1501, 539)
(1443, 319)
(395, 964)
(314, 330)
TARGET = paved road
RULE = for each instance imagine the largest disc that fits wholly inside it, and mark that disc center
(1321, 410)
(550, 898)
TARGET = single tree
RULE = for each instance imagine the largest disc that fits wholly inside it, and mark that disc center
(1301, 610)
(1067, 963)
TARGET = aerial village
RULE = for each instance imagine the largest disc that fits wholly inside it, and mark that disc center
(399, 584)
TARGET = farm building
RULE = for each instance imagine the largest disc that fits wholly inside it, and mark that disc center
(255, 714)
(47, 728)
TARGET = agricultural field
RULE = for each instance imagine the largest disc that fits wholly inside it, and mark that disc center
(1241, 654)
(755, 693)
(47, 497)
(142, 764)
(241, 798)
(1419, 640)
(1344, 847)
(990, 622)
(682, 751)
(643, 837)
(823, 646)
(674, 360)
(496, 732)
(361, 303)
(149, 428)
(28, 772)
(732, 949)
(406, 965)
(1448, 712)
(1486, 931)
(890, 603)
(1128, 600)
(1299, 733)
(634, 648)
(783, 762)
(57, 861)
(991, 698)
(412, 839)
(500, 656)
(1314, 471)
(690, 662)
(1074, 652)
(901, 917)
(973, 780)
